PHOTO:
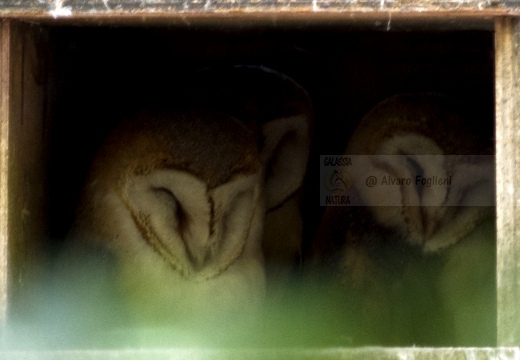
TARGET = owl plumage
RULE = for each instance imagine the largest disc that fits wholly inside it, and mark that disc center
(424, 134)
(395, 254)
(177, 195)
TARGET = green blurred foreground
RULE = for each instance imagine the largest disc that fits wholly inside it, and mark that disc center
(447, 299)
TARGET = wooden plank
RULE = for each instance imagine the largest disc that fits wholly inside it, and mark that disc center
(27, 163)
(508, 179)
(22, 158)
(4, 157)
(354, 5)
(237, 8)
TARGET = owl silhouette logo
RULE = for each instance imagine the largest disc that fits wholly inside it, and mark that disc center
(337, 181)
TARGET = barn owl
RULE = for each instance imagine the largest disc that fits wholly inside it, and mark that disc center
(397, 252)
(177, 195)
(418, 137)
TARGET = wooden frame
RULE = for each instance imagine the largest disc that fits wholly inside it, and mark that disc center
(22, 156)
(508, 216)
(24, 135)
(134, 9)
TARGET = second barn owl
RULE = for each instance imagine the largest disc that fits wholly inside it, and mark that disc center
(177, 195)
(400, 252)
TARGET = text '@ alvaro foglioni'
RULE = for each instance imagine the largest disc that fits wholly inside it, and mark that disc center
(407, 180)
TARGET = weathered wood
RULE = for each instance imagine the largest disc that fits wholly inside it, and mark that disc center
(354, 5)
(22, 157)
(5, 80)
(236, 8)
(508, 179)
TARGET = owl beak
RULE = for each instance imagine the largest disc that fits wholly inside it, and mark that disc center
(199, 247)
(422, 222)
(432, 216)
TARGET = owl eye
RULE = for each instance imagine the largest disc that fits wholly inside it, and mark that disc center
(165, 195)
(168, 199)
(417, 170)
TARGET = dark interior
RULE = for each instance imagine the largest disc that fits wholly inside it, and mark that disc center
(102, 73)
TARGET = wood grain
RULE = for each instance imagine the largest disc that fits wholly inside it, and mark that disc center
(22, 157)
(508, 179)
(139, 11)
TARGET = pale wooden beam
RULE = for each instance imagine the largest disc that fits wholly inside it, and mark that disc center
(22, 156)
(8, 98)
(508, 179)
